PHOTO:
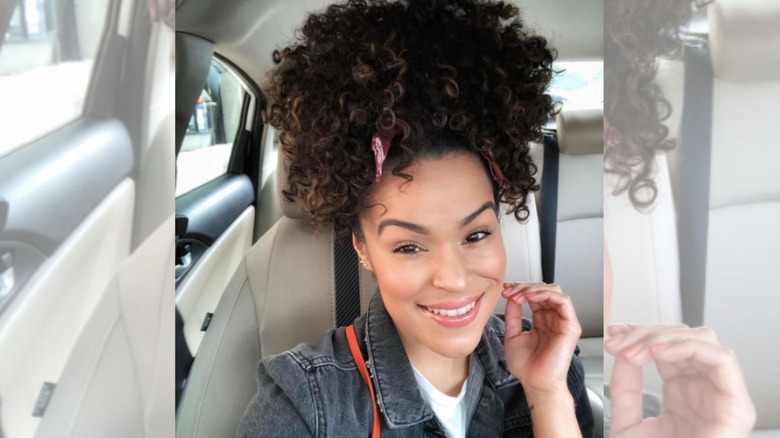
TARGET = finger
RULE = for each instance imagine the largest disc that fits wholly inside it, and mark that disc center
(617, 329)
(513, 316)
(716, 361)
(641, 338)
(625, 394)
(638, 356)
(513, 288)
(550, 299)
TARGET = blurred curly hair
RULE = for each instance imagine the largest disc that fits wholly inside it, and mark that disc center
(444, 76)
(637, 32)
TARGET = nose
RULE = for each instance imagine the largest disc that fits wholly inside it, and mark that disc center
(450, 272)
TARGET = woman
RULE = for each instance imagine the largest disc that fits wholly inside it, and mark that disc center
(405, 124)
(703, 387)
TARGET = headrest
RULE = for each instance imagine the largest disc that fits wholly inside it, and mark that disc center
(580, 131)
(745, 39)
(290, 209)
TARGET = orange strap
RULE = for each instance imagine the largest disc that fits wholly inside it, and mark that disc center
(355, 349)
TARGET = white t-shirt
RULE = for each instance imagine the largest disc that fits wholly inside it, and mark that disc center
(450, 411)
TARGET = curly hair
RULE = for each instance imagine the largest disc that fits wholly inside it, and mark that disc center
(443, 76)
(637, 33)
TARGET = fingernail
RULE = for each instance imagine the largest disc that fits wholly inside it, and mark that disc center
(506, 291)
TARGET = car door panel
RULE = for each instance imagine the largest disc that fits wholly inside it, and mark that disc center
(83, 162)
(200, 292)
(46, 317)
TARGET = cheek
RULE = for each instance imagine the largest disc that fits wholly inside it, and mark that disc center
(491, 261)
(399, 280)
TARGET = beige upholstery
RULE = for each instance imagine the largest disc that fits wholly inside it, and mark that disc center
(119, 378)
(580, 131)
(743, 247)
(269, 211)
(578, 243)
(53, 308)
(745, 39)
(643, 249)
(671, 78)
(200, 291)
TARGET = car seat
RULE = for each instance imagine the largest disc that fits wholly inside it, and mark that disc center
(743, 242)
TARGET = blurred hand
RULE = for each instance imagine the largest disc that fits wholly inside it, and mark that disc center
(540, 358)
(704, 392)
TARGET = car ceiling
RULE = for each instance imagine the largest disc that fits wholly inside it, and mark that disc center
(247, 32)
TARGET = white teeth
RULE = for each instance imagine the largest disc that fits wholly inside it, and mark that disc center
(453, 312)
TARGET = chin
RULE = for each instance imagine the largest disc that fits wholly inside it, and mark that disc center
(458, 348)
(461, 345)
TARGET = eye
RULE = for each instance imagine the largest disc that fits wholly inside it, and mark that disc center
(407, 248)
(477, 236)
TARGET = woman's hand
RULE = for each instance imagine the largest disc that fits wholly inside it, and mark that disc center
(540, 358)
(704, 391)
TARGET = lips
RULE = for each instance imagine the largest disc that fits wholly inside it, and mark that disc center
(454, 314)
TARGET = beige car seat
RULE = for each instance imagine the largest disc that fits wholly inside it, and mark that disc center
(743, 239)
(580, 218)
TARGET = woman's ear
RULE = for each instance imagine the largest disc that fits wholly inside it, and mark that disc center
(360, 249)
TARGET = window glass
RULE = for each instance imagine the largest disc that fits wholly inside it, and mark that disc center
(208, 142)
(579, 84)
(45, 66)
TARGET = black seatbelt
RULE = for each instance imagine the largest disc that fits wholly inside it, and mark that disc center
(347, 282)
(183, 357)
(695, 151)
(548, 220)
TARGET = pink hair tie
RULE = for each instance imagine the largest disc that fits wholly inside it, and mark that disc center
(380, 144)
(495, 171)
(612, 136)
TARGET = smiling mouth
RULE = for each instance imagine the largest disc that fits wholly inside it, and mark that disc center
(453, 317)
(452, 312)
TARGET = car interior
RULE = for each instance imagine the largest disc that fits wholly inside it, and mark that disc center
(92, 248)
(706, 253)
(227, 323)
(86, 223)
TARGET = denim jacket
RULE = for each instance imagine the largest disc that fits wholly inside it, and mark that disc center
(317, 390)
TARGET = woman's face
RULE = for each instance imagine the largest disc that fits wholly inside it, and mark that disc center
(435, 247)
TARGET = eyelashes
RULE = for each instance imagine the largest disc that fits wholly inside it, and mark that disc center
(407, 248)
(478, 235)
(413, 248)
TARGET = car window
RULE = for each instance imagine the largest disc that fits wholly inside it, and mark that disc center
(208, 142)
(46, 45)
(579, 84)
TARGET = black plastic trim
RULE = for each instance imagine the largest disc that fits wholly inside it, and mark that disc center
(548, 224)
(52, 184)
(212, 207)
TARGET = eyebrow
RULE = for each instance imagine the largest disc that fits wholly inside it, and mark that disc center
(470, 218)
(419, 229)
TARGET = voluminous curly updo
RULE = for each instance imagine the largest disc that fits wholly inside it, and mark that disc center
(442, 75)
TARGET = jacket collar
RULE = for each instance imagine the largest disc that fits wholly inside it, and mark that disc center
(396, 389)
(397, 392)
